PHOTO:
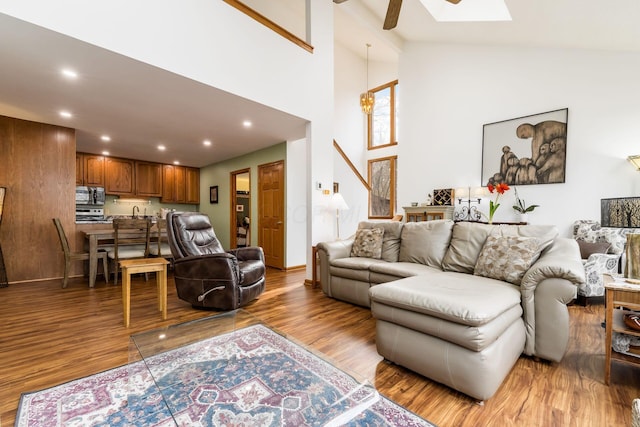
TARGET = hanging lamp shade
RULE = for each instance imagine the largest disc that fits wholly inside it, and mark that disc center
(367, 98)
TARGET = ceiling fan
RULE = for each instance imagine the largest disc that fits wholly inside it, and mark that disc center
(393, 12)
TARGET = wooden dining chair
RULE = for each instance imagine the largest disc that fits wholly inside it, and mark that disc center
(70, 256)
(130, 241)
(160, 247)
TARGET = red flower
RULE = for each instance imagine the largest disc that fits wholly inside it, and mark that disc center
(493, 206)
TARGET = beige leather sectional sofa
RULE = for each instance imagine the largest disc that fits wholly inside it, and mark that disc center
(458, 302)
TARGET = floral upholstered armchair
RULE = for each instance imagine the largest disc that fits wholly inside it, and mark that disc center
(602, 251)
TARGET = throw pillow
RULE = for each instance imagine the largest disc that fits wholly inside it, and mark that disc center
(368, 243)
(588, 248)
(507, 258)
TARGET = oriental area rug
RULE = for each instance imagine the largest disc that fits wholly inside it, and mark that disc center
(249, 377)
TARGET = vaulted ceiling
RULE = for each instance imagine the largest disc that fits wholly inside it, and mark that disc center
(141, 106)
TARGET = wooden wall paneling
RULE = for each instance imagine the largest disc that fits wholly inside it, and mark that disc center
(39, 173)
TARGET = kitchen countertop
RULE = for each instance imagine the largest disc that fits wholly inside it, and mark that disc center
(109, 220)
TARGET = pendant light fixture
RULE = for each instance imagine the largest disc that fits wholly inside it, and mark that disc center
(367, 98)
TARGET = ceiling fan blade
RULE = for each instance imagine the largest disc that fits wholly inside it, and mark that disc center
(451, 1)
(393, 12)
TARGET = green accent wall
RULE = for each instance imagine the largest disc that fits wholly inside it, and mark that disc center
(220, 174)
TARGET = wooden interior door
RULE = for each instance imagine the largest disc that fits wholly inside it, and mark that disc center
(271, 213)
(240, 215)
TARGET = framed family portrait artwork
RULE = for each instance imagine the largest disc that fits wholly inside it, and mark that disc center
(526, 150)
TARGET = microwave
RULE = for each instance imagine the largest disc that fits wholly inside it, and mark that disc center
(90, 196)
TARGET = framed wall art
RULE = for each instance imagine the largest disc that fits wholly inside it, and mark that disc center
(213, 194)
(526, 150)
(623, 212)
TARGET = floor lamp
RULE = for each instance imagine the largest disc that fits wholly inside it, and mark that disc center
(4, 281)
(337, 202)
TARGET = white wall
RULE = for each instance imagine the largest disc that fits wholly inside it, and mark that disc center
(296, 204)
(450, 91)
(350, 130)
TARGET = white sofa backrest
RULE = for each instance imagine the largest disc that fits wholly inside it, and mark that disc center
(425, 242)
(390, 238)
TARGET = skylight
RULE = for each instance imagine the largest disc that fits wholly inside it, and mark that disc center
(468, 10)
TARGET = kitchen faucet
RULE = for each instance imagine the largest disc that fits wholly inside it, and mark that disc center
(133, 215)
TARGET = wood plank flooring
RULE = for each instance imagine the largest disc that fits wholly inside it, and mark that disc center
(50, 335)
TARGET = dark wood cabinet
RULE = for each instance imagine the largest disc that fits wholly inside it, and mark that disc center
(93, 170)
(120, 177)
(180, 184)
(79, 169)
(168, 184)
(192, 183)
(148, 179)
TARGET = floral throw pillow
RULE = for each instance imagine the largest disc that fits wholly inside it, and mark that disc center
(507, 258)
(368, 243)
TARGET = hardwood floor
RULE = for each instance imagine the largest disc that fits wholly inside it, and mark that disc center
(50, 335)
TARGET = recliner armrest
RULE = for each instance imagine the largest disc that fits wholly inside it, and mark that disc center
(248, 254)
(221, 266)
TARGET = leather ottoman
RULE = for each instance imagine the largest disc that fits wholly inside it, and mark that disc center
(451, 329)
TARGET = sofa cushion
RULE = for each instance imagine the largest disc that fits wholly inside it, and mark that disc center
(425, 242)
(466, 243)
(368, 243)
(589, 248)
(468, 239)
(459, 298)
(507, 257)
(353, 268)
(390, 238)
(402, 269)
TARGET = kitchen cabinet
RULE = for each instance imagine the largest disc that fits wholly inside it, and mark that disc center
(148, 179)
(192, 182)
(120, 177)
(90, 170)
(79, 169)
(180, 184)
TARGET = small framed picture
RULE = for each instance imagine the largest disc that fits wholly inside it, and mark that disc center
(239, 208)
(213, 194)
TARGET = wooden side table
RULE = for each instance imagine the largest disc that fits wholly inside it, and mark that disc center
(144, 265)
(619, 293)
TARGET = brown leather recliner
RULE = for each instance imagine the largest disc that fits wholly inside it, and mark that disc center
(206, 276)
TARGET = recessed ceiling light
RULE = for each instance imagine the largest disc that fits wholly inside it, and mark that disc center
(105, 153)
(105, 138)
(246, 124)
(69, 73)
(206, 142)
(66, 114)
(175, 162)
(161, 147)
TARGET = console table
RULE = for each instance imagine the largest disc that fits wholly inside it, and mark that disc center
(428, 213)
(619, 293)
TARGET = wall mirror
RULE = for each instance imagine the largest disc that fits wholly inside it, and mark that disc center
(240, 208)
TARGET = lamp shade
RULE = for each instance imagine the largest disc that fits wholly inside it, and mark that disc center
(337, 202)
(635, 161)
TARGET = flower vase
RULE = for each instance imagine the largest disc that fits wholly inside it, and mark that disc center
(524, 217)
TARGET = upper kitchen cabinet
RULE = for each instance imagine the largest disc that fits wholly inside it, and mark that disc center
(192, 182)
(180, 184)
(90, 170)
(79, 169)
(120, 177)
(148, 179)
